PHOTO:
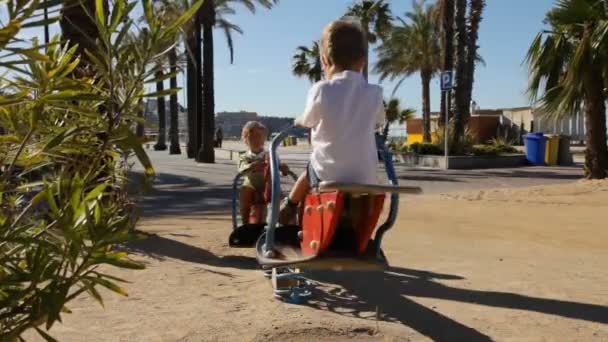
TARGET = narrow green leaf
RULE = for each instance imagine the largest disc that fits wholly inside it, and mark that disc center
(133, 143)
(35, 55)
(72, 95)
(46, 336)
(76, 196)
(96, 192)
(147, 4)
(100, 13)
(183, 18)
(117, 14)
(109, 285)
(42, 22)
(119, 261)
(59, 138)
(95, 294)
(161, 93)
(162, 78)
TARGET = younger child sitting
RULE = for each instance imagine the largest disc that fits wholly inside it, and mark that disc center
(253, 162)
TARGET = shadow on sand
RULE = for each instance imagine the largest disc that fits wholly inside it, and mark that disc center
(388, 293)
(160, 248)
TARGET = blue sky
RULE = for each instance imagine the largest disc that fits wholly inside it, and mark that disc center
(260, 80)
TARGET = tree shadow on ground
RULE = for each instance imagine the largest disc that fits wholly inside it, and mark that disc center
(161, 248)
(389, 291)
(177, 195)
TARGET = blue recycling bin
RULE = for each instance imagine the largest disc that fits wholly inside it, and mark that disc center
(535, 148)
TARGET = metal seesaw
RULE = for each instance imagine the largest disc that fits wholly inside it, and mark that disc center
(337, 222)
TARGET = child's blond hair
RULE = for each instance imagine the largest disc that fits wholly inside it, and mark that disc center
(251, 125)
(344, 44)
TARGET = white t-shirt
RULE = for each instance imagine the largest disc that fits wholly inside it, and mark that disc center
(343, 114)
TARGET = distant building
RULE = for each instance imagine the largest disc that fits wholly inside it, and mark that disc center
(277, 124)
(510, 123)
(151, 116)
(232, 122)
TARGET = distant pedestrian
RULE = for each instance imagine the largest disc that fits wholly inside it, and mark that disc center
(219, 136)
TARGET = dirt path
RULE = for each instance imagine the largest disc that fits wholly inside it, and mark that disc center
(507, 265)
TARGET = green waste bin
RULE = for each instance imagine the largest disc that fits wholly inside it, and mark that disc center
(564, 156)
(552, 149)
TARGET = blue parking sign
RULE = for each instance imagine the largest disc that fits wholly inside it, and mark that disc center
(447, 80)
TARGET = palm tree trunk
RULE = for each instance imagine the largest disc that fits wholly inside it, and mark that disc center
(162, 116)
(447, 18)
(426, 105)
(475, 18)
(198, 91)
(207, 152)
(462, 105)
(191, 96)
(596, 153)
(79, 28)
(173, 106)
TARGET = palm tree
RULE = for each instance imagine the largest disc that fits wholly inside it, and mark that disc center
(394, 113)
(162, 116)
(375, 17)
(192, 30)
(79, 28)
(173, 105)
(568, 67)
(209, 20)
(307, 63)
(467, 32)
(446, 17)
(414, 46)
(206, 154)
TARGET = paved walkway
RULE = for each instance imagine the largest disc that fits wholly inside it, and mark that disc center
(184, 187)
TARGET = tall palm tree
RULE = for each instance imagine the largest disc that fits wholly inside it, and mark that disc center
(192, 30)
(209, 20)
(394, 113)
(414, 46)
(461, 106)
(173, 105)
(375, 17)
(446, 18)
(170, 11)
(79, 28)
(206, 153)
(568, 66)
(467, 32)
(162, 114)
(307, 63)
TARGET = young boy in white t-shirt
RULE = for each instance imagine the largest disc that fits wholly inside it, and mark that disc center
(343, 112)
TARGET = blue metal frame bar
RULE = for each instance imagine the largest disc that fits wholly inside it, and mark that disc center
(394, 206)
(235, 194)
(275, 193)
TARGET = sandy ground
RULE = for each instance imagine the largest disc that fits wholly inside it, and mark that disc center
(508, 265)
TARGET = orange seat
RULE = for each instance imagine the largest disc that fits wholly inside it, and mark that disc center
(329, 224)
